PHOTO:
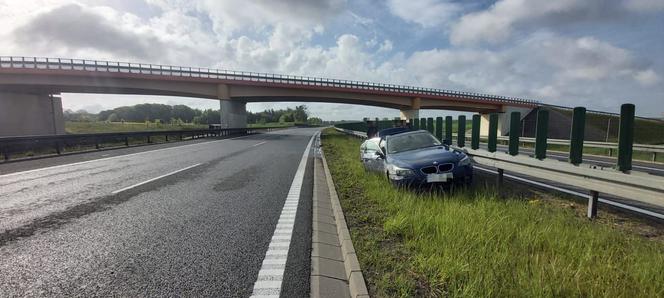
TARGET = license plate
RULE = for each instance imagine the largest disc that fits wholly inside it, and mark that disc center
(439, 177)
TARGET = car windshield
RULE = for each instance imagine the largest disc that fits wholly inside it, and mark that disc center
(407, 142)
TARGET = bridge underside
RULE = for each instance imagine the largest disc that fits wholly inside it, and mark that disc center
(233, 97)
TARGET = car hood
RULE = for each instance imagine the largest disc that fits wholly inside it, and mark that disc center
(425, 156)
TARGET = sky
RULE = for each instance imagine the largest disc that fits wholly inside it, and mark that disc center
(593, 53)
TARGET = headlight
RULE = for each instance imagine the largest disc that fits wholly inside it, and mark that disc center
(464, 161)
(398, 173)
(403, 172)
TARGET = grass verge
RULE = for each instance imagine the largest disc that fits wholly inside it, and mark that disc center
(472, 243)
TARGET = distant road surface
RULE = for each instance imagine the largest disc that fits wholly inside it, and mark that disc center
(190, 219)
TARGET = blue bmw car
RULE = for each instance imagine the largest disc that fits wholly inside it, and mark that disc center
(416, 158)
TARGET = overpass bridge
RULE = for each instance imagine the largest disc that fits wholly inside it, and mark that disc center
(29, 89)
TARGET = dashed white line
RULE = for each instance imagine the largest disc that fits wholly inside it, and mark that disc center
(261, 143)
(271, 274)
(155, 178)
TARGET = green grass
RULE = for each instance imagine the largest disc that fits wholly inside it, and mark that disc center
(101, 127)
(474, 244)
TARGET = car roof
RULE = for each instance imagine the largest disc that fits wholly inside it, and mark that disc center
(413, 132)
(392, 131)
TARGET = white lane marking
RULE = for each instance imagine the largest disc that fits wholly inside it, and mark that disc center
(155, 178)
(261, 143)
(269, 282)
(116, 157)
(576, 193)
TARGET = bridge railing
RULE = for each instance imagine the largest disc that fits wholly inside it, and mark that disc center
(195, 72)
(36, 145)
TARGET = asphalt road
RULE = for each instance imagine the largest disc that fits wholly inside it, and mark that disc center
(192, 219)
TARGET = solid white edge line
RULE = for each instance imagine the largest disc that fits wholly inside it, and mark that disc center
(153, 179)
(116, 157)
(279, 249)
(576, 193)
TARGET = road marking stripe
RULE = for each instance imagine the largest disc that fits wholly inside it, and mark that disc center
(261, 143)
(576, 193)
(155, 178)
(116, 157)
(279, 250)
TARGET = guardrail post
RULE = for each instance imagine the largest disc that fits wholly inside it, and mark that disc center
(515, 133)
(592, 204)
(576, 139)
(97, 143)
(493, 132)
(423, 123)
(654, 156)
(58, 147)
(411, 123)
(541, 133)
(448, 130)
(475, 132)
(500, 179)
(416, 125)
(5, 154)
(461, 131)
(126, 139)
(625, 137)
(430, 125)
(149, 140)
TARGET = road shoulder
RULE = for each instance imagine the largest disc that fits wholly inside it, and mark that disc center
(335, 270)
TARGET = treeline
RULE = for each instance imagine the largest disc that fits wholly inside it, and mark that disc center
(183, 114)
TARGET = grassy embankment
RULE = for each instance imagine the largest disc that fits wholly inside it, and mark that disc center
(474, 244)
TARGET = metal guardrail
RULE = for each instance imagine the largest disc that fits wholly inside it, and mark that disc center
(10, 146)
(44, 63)
(647, 148)
(633, 185)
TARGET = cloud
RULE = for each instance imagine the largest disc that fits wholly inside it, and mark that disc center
(497, 23)
(427, 13)
(545, 66)
(74, 27)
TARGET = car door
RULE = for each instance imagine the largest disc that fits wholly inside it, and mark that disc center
(371, 160)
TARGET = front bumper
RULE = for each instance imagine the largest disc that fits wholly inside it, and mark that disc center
(462, 174)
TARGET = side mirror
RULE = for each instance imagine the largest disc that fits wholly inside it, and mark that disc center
(380, 154)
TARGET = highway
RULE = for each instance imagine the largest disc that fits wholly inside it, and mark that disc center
(190, 219)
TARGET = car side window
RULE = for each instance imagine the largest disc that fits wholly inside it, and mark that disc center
(371, 146)
(381, 145)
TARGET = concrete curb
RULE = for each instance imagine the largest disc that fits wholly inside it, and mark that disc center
(335, 270)
(357, 286)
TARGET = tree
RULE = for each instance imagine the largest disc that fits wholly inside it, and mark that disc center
(113, 118)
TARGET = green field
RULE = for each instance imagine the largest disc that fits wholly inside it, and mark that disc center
(102, 126)
(475, 244)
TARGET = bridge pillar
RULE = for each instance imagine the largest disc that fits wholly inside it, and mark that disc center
(23, 114)
(503, 120)
(413, 112)
(233, 112)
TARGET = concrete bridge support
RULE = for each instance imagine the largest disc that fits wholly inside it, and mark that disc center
(503, 120)
(24, 114)
(413, 112)
(233, 113)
